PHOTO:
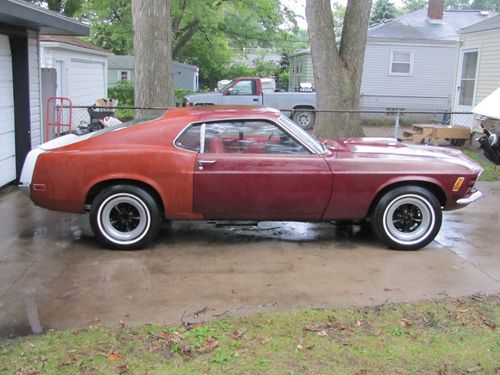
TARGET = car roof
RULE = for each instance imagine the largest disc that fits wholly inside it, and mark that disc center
(222, 111)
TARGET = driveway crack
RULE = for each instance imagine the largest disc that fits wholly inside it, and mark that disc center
(16, 280)
(468, 261)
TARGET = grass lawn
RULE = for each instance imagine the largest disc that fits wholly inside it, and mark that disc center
(491, 171)
(451, 336)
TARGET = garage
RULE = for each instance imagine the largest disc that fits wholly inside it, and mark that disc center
(87, 81)
(7, 127)
(21, 25)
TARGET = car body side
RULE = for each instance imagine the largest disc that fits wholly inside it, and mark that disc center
(145, 154)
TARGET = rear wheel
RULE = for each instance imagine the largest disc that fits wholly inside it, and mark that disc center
(125, 217)
(407, 218)
(304, 118)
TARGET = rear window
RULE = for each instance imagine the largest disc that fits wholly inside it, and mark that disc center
(121, 126)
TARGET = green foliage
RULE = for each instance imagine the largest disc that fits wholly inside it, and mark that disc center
(111, 22)
(123, 91)
(494, 5)
(66, 7)
(474, 4)
(491, 171)
(205, 33)
(413, 5)
(338, 13)
(382, 10)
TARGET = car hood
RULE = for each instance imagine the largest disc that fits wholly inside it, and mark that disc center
(391, 148)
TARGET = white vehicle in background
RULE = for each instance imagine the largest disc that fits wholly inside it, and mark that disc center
(300, 106)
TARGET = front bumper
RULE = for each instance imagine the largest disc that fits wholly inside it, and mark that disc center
(472, 198)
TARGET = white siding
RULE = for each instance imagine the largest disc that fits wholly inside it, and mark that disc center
(34, 87)
(429, 87)
(488, 42)
(7, 124)
(301, 71)
(86, 70)
(86, 81)
(84, 75)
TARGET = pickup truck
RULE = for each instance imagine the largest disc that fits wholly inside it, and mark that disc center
(299, 106)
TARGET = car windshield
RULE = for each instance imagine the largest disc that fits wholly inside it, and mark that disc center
(223, 88)
(303, 135)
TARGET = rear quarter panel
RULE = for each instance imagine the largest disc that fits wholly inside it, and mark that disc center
(141, 153)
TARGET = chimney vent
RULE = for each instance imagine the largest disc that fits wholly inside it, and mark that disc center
(435, 11)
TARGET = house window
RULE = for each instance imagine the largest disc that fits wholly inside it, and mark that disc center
(401, 63)
(124, 75)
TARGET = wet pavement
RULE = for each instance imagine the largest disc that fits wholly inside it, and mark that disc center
(54, 275)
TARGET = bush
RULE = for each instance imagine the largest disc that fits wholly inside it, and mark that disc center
(123, 91)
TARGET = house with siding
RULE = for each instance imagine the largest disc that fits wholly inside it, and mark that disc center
(410, 62)
(478, 73)
(121, 68)
(81, 68)
(21, 23)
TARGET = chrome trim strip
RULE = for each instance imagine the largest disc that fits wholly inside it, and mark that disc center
(474, 197)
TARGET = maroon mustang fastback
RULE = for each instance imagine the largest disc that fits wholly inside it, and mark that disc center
(245, 163)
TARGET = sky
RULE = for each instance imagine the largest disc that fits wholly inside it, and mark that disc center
(298, 6)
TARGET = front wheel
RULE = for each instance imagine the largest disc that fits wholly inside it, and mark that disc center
(125, 217)
(407, 218)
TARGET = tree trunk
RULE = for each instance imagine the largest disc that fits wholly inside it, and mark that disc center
(153, 55)
(337, 71)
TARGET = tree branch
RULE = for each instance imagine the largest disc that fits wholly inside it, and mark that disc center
(354, 35)
(186, 37)
(176, 21)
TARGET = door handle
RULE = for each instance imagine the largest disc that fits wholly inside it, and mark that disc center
(256, 100)
(202, 163)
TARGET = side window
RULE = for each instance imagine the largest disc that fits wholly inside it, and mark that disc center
(249, 137)
(244, 88)
(190, 139)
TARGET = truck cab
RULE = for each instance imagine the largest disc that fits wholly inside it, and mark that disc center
(245, 90)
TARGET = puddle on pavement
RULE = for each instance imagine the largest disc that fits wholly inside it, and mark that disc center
(186, 231)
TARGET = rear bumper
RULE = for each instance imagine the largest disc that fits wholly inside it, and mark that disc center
(472, 198)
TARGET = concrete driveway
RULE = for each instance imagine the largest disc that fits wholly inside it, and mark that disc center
(53, 274)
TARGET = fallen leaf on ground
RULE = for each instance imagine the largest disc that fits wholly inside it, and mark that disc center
(322, 333)
(113, 356)
(406, 323)
(95, 322)
(360, 322)
(237, 335)
(122, 324)
(210, 344)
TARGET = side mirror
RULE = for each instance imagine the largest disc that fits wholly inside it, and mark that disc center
(230, 91)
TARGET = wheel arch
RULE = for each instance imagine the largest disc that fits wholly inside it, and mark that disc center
(433, 187)
(99, 186)
(303, 106)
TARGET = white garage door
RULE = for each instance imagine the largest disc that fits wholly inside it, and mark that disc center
(7, 129)
(87, 82)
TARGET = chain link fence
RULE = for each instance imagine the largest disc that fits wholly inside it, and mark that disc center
(430, 127)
